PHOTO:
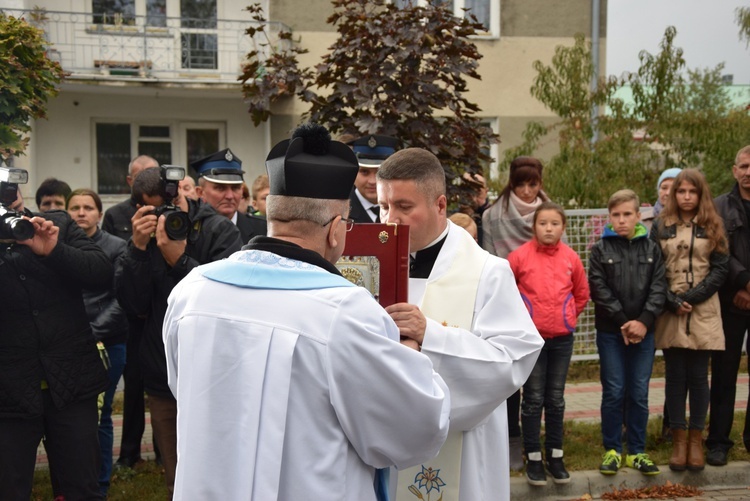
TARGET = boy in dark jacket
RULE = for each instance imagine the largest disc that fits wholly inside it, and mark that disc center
(626, 278)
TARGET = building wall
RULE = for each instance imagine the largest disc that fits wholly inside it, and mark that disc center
(68, 152)
(535, 18)
(62, 145)
(530, 31)
(542, 18)
(310, 18)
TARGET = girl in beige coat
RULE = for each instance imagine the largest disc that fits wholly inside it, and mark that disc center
(691, 235)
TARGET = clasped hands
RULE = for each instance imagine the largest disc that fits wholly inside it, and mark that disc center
(742, 299)
(633, 332)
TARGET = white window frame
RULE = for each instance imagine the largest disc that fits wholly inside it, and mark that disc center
(177, 139)
(458, 6)
(180, 155)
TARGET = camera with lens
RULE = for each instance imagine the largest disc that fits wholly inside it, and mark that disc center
(13, 226)
(177, 223)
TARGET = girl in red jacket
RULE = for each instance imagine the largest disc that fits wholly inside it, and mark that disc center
(552, 282)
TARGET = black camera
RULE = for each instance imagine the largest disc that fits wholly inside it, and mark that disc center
(13, 226)
(177, 223)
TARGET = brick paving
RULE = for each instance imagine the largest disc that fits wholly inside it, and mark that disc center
(582, 401)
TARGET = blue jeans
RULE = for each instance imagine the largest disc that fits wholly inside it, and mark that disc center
(624, 372)
(116, 353)
(545, 390)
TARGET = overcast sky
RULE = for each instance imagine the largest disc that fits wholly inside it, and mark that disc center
(706, 31)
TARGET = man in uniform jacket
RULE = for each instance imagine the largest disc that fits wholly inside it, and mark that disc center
(220, 185)
(145, 275)
(371, 151)
(50, 369)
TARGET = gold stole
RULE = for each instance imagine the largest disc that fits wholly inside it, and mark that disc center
(449, 300)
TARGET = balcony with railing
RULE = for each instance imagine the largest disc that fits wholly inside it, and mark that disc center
(155, 48)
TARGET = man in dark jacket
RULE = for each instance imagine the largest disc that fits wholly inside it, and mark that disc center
(151, 266)
(734, 208)
(50, 370)
(117, 222)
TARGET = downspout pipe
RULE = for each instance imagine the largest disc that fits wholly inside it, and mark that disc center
(595, 14)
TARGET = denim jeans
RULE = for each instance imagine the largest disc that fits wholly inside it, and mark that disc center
(686, 373)
(625, 371)
(545, 390)
(116, 354)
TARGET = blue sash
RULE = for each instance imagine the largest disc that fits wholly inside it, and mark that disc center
(264, 270)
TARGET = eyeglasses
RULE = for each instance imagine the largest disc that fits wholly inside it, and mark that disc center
(349, 222)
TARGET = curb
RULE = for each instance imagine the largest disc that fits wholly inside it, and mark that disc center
(734, 475)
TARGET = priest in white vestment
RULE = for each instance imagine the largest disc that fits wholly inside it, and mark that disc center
(466, 314)
(291, 382)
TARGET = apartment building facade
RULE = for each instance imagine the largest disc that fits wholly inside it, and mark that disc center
(159, 77)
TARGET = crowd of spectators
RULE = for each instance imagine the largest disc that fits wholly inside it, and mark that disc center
(93, 286)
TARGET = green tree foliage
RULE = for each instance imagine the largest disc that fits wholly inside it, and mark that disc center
(28, 78)
(272, 70)
(398, 72)
(677, 118)
(743, 21)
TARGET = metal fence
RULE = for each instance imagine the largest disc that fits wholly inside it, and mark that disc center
(583, 229)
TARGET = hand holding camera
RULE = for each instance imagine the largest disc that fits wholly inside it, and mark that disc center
(176, 222)
(144, 226)
(44, 238)
(13, 225)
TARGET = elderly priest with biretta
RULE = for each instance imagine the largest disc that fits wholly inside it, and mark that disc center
(291, 382)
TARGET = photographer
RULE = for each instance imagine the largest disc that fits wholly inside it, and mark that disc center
(151, 266)
(50, 370)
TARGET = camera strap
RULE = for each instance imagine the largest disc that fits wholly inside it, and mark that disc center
(195, 232)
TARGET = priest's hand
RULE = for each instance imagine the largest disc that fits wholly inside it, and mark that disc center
(409, 319)
(410, 343)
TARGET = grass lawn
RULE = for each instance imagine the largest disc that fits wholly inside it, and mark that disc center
(143, 483)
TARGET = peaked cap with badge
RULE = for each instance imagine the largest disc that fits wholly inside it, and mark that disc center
(373, 149)
(222, 167)
(311, 165)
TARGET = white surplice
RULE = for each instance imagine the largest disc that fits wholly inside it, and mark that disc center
(292, 394)
(482, 366)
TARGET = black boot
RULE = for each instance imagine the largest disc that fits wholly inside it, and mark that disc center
(535, 469)
(556, 467)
